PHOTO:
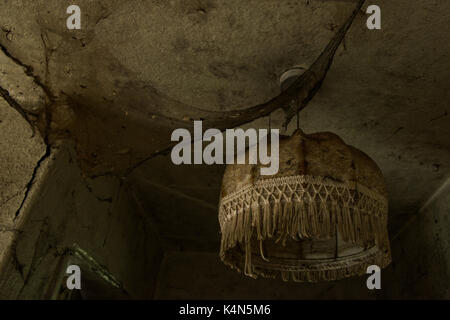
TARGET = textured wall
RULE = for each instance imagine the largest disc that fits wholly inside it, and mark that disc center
(190, 275)
(421, 253)
(20, 152)
(420, 268)
(98, 215)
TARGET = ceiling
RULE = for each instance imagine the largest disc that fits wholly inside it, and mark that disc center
(134, 64)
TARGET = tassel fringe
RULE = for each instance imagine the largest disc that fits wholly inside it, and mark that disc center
(303, 208)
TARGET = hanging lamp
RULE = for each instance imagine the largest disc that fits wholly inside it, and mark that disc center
(323, 216)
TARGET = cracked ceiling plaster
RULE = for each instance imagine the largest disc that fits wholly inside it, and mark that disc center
(111, 86)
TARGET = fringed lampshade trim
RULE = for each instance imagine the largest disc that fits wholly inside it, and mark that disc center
(325, 271)
(302, 208)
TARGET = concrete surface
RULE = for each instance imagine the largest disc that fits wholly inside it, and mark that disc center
(118, 87)
(66, 208)
(421, 253)
(201, 275)
(21, 152)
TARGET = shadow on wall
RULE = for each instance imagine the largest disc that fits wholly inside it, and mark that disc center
(421, 253)
(100, 216)
(213, 280)
(420, 268)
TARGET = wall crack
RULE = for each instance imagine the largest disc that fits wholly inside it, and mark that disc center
(31, 181)
(29, 71)
(16, 106)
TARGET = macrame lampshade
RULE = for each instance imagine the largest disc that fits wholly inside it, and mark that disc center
(323, 216)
